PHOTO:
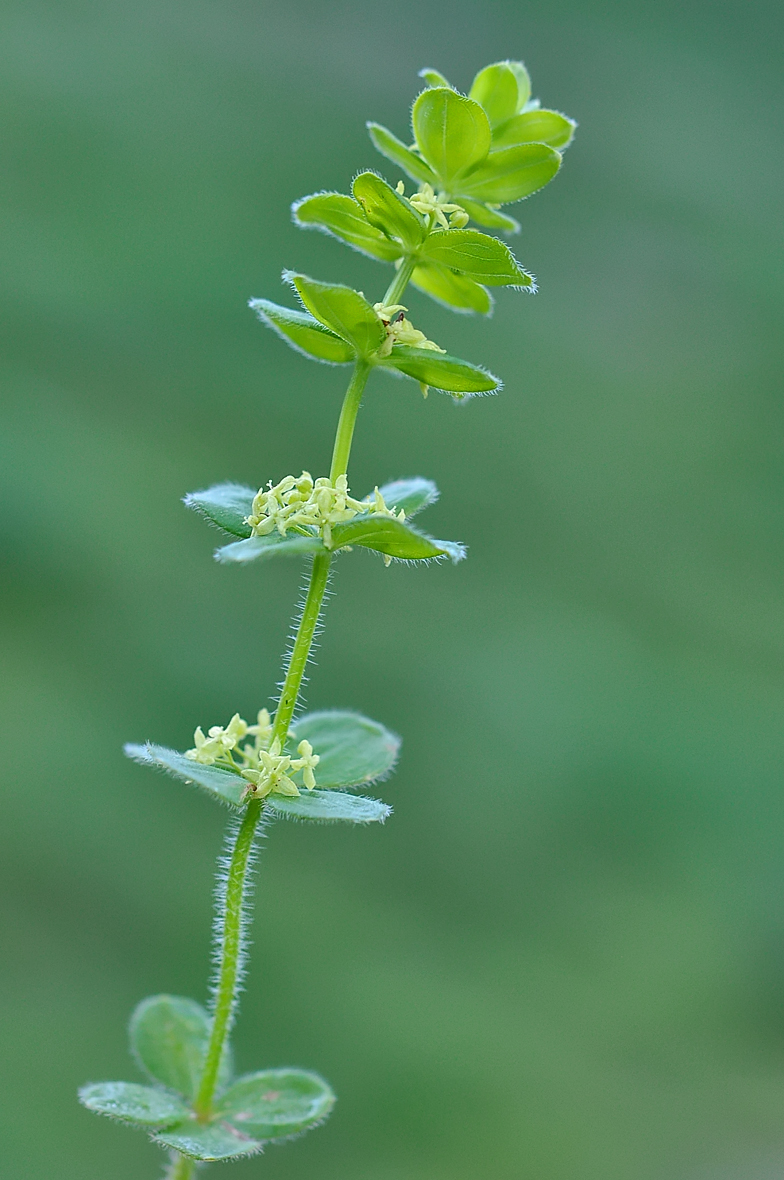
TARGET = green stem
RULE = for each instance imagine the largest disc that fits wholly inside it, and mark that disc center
(181, 1169)
(231, 955)
(236, 880)
(401, 280)
(302, 644)
(348, 417)
(320, 572)
(350, 408)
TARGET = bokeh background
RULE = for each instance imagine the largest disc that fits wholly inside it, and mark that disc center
(563, 959)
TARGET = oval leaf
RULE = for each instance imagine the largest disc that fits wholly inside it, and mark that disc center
(208, 1141)
(226, 505)
(441, 371)
(393, 538)
(388, 211)
(353, 750)
(513, 173)
(330, 807)
(276, 1103)
(482, 258)
(342, 309)
(412, 495)
(452, 132)
(432, 77)
(221, 784)
(169, 1037)
(490, 218)
(344, 218)
(455, 291)
(495, 89)
(303, 333)
(273, 545)
(523, 83)
(539, 126)
(140, 1105)
(396, 151)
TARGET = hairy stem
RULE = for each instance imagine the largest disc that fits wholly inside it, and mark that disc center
(350, 408)
(239, 865)
(348, 417)
(400, 282)
(181, 1169)
(319, 575)
(302, 644)
(230, 956)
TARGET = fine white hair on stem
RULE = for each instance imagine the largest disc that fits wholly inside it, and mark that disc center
(174, 1170)
(295, 622)
(219, 921)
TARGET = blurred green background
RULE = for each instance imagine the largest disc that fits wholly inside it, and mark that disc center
(563, 959)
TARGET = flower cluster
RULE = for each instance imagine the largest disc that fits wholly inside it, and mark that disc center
(305, 505)
(400, 330)
(429, 205)
(262, 763)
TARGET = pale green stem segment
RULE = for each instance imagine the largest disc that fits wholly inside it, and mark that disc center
(401, 280)
(181, 1169)
(348, 417)
(231, 947)
(302, 644)
(320, 572)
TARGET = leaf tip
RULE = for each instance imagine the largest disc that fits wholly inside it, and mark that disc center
(138, 753)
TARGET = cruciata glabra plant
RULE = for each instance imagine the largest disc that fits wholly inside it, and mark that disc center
(471, 155)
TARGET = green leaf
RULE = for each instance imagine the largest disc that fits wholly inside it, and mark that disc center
(490, 218)
(512, 173)
(330, 807)
(208, 1141)
(394, 538)
(396, 151)
(169, 1037)
(141, 1105)
(452, 132)
(388, 211)
(221, 784)
(482, 258)
(353, 750)
(495, 89)
(273, 545)
(441, 371)
(412, 495)
(539, 126)
(523, 83)
(276, 1103)
(304, 333)
(226, 505)
(344, 218)
(342, 309)
(456, 291)
(433, 77)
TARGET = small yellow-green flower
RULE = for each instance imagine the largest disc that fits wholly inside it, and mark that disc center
(307, 763)
(400, 330)
(219, 741)
(263, 765)
(306, 505)
(262, 730)
(429, 205)
(272, 771)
